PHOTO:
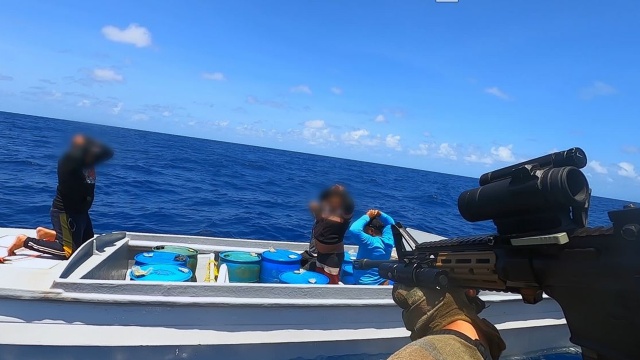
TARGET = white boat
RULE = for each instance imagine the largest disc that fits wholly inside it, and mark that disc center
(85, 308)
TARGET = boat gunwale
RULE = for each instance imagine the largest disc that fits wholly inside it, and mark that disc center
(76, 288)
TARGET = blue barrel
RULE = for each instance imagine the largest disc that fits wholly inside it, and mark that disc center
(191, 254)
(276, 262)
(346, 273)
(156, 257)
(243, 267)
(301, 277)
(163, 272)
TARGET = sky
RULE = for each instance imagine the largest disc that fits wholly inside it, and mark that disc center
(459, 88)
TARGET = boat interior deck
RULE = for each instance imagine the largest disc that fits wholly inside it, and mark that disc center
(101, 265)
(99, 268)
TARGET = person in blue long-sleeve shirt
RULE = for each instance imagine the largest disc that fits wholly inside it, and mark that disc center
(374, 237)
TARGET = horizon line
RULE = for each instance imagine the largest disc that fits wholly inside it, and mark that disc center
(270, 148)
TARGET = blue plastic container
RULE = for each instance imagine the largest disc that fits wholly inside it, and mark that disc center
(276, 262)
(157, 257)
(191, 254)
(164, 272)
(303, 277)
(242, 267)
(346, 273)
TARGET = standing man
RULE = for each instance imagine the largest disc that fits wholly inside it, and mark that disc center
(72, 225)
(332, 216)
(374, 237)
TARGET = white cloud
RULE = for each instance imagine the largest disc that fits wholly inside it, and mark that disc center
(216, 76)
(302, 89)
(627, 170)
(597, 167)
(597, 88)
(479, 159)
(315, 124)
(354, 136)
(495, 91)
(503, 153)
(106, 75)
(134, 34)
(426, 134)
(393, 141)
(224, 123)
(116, 109)
(83, 103)
(423, 150)
(315, 132)
(380, 119)
(166, 113)
(361, 137)
(336, 90)
(631, 149)
(318, 136)
(53, 95)
(447, 151)
(140, 117)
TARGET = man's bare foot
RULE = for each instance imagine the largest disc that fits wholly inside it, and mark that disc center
(45, 234)
(17, 244)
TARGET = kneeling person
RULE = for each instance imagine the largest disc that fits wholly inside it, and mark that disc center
(72, 225)
(374, 237)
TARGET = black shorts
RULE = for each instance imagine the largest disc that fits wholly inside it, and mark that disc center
(72, 230)
(332, 260)
(308, 261)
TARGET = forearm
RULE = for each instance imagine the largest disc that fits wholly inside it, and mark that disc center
(386, 219)
(358, 225)
(357, 230)
(97, 152)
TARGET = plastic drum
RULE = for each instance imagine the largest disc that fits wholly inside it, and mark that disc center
(278, 261)
(163, 272)
(302, 277)
(243, 267)
(155, 257)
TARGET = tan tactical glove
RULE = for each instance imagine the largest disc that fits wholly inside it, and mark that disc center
(425, 310)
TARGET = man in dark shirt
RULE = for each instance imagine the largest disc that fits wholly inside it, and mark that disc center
(72, 225)
(332, 216)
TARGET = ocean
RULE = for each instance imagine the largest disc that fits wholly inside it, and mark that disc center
(163, 183)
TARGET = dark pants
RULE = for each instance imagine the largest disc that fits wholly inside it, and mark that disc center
(308, 261)
(330, 265)
(72, 230)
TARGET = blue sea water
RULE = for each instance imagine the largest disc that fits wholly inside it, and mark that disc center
(171, 184)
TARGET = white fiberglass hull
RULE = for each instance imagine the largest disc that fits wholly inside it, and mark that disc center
(75, 310)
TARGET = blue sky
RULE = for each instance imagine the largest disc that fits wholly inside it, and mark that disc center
(458, 88)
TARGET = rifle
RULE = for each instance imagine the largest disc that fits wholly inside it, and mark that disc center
(542, 245)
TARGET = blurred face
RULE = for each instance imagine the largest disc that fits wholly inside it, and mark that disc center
(335, 202)
(77, 141)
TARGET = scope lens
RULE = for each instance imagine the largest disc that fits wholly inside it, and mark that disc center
(576, 185)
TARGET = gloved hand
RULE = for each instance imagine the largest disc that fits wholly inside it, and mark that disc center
(425, 310)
